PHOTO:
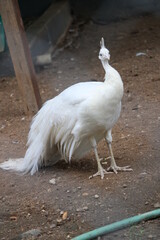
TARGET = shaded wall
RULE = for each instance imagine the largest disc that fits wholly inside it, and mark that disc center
(104, 11)
(33, 8)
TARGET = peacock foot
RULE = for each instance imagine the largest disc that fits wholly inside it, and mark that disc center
(117, 169)
(101, 172)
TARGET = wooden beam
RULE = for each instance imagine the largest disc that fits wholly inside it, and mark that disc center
(20, 54)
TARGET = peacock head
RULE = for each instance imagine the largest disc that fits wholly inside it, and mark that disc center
(104, 52)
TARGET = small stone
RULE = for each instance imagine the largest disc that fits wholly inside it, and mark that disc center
(124, 185)
(96, 196)
(85, 194)
(46, 213)
(125, 235)
(15, 142)
(150, 236)
(59, 221)
(43, 207)
(79, 210)
(141, 54)
(140, 144)
(53, 225)
(3, 126)
(33, 232)
(129, 97)
(52, 181)
(142, 175)
(157, 205)
(61, 213)
(85, 208)
(122, 136)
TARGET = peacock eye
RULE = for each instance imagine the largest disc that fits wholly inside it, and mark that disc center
(100, 54)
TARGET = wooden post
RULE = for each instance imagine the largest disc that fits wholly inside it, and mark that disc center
(20, 54)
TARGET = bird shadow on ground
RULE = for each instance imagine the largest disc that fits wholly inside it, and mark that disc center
(84, 165)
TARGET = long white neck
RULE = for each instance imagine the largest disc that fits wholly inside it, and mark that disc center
(112, 77)
(105, 64)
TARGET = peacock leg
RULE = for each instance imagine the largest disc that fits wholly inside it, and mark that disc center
(113, 166)
(101, 170)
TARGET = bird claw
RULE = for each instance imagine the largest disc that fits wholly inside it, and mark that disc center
(101, 172)
(117, 169)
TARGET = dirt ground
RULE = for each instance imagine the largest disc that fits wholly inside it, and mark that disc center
(32, 202)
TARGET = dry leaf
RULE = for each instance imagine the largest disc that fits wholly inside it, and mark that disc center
(65, 215)
(13, 218)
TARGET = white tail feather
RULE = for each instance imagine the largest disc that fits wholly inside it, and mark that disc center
(14, 164)
(38, 143)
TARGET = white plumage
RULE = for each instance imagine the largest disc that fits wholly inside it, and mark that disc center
(72, 123)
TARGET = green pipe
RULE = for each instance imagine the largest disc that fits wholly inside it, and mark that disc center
(118, 225)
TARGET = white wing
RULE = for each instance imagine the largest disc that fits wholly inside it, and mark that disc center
(79, 92)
